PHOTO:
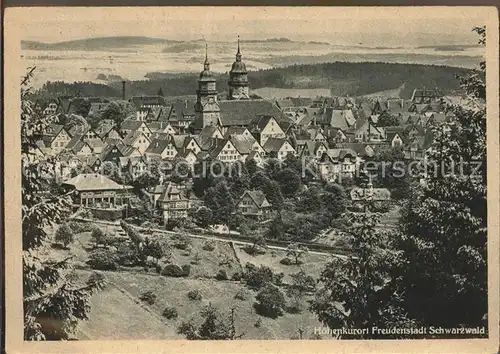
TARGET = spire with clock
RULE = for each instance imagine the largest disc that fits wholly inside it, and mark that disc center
(207, 110)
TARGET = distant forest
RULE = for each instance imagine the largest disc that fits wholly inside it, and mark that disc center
(341, 78)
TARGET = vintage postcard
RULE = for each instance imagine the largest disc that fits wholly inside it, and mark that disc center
(252, 179)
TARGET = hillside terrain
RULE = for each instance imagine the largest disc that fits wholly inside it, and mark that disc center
(339, 78)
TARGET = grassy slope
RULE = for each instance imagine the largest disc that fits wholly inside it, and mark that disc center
(115, 315)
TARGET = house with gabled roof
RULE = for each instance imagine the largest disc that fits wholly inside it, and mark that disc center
(313, 149)
(367, 130)
(212, 132)
(172, 202)
(55, 138)
(137, 140)
(129, 125)
(265, 127)
(337, 163)
(278, 148)
(418, 146)
(224, 150)
(161, 127)
(238, 131)
(254, 204)
(337, 118)
(48, 107)
(162, 145)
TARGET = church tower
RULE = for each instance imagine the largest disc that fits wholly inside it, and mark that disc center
(207, 111)
(238, 79)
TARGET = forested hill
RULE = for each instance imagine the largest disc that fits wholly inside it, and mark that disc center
(341, 78)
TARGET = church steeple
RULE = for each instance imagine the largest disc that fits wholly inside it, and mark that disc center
(238, 53)
(238, 78)
(206, 64)
(207, 111)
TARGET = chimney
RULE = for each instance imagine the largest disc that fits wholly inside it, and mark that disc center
(123, 91)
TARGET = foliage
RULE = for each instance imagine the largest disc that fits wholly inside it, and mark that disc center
(208, 245)
(270, 301)
(194, 295)
(361, 291)
(64, 235)
(102, 259)
(152, 248)
(386, 119)
(182, 241)
(257, 277)
(444, 224)
(301, 284)
(258, 247)
(221, 275)
(172, 270)
(148, 297)
(97, 236)
(204, 216)
(242, 295)
(296, 251)
(53, 303)
(215, 326)
(170, 313)
(220, 201)
(289, 181)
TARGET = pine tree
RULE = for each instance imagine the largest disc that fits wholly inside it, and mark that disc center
(220, 200)
(53, 302)
(444, 226)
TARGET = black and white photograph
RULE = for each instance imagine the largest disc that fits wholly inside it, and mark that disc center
(232, 173)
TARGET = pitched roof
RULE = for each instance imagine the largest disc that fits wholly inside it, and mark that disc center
(159, 126)
(208, 131)
(338, 118)
(273, 144)
(181, 109)
(242, 112)
(130, 124)
(158, 144)
(242, 144)
(94, 181)
(340, 153)
(234, 131)
(170, 189)
(132, 136)
(257, 196)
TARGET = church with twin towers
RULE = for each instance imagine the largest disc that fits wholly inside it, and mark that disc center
(237, 108)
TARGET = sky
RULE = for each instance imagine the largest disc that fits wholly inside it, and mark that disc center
(337, 25)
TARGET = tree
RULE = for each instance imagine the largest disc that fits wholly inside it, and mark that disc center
(259, 243)
(215, 326)
(444, 225)
(386, 119)
(296, 251)
(289, 181)
(134, 236)
(301, 284)
(64, 235)
(160, 92)
(270, 301)
(180, 171)
(98, 236)
(361, 291)
(53, 302)
(152, 248)
(203, 216)
(220, 201)
(393, 172)
(335, 200)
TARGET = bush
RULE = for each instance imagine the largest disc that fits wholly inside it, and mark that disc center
(186, 270)
(102, 259)
(170, 313)
(98, 236)
(128, 257)
(242, 295)
(257, 277)
(148, 297)
(258, 323)
(79, 227)
(64, 235)
(221, 275)
(237, 276)
(287, 261)
(182, 242)
(172, 270)
(208, 245)
(194, 295)
(270, 301)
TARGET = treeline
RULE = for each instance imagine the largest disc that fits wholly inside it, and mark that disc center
(340, 77)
